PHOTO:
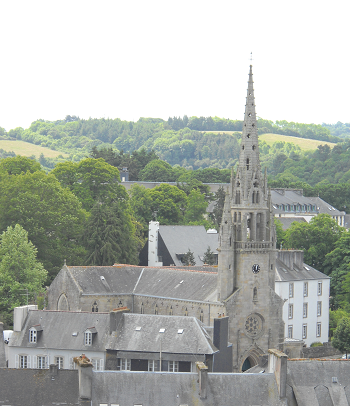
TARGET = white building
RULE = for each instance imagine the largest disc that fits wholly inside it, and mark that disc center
(306, 294)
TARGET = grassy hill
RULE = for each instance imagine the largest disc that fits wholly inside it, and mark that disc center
(304, 143)
(26, 149)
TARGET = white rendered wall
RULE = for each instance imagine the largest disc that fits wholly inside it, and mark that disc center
(153, 229)
(51, 354)
(298, 300)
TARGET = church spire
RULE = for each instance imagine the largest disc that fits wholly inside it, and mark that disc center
(249, 154)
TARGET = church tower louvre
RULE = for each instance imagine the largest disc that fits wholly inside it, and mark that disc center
(247, 252)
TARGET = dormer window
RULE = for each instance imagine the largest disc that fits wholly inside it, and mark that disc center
(89, 335)
(32, 335)
(87, 338)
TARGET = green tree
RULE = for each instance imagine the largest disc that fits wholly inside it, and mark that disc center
(196, 208)
(209, 257)
(317, 238)
(279, 233)
(51, 215)
(18, 165)
(158, 171)
(341, 336)
(20, 271)
(334, 318)
(109, 235)
(188, 258)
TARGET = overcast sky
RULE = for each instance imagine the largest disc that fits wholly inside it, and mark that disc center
(129, 59)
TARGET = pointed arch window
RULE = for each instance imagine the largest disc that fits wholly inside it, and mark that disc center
(248, 135)
(247, 163)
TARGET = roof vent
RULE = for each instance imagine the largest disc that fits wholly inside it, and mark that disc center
(334, 379)
(181, 281)
(137, 328)
(102, 278)
(162, 330)
(180, 331)
(307, 268)
(75, 334)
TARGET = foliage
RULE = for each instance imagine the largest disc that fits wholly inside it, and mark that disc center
(317, 238)
(18, 165)
(158, 171)
(209, 257)
(316, 344)
(51, 215)
(341, 336)
(20, 271)
(109, 235)
(216, 214)
(188, 258)
(334, 318)
(279, 233)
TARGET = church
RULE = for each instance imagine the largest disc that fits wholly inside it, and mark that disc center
(242, 287)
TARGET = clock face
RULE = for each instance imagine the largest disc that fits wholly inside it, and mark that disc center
(256, 268)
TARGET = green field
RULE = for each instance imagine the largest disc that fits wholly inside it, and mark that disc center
(304, 143)
(26, 149)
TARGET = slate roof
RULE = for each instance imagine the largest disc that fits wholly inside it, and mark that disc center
(178, 239)
(33, 387)
(141, 333)
(312, 382)
(173, 389)
(194, 284)
(177, 283)
(58, 328)
(293, 196)
(307, 272)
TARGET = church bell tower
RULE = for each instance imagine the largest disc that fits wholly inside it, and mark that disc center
(247, 252)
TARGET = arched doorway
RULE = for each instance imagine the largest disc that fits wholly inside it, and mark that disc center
(251, 359)
(62, 303)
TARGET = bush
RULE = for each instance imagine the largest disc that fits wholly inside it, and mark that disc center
(316, 344)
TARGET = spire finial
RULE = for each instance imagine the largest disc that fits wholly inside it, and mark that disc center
(251, 57)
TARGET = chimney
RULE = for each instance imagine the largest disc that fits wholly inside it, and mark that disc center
(203, 378)
(115, 317)
(53, 371)
(220, 339)
(85, 376)
(20, 315)
(278, 366)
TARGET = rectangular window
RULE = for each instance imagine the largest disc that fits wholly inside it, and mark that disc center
(304, 331)
(290, 331)
(59, 362)
(319, 308)
(173, 366)
(97, 364)
(153, 365)
(32, 335)
(41, 362)
(124, 364)
(23, 361)
(87, 338)
(304, 310)
(318, 330)
(319, 288)
(306, 289)
(291, 290)
(290, 311)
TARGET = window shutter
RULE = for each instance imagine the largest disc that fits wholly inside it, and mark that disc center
(71, 363)
(47, 360)
(28, 360)
(101, 364)
(35, 359)
(16, 361)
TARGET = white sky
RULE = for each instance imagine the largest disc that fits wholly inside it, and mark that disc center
(129, 59)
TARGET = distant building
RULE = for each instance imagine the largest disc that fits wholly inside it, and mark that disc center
(291, 203)
(166, 245)
(306, 294)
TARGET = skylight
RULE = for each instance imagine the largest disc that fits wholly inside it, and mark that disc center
(180, 331)
(162, 330)
(138, 328)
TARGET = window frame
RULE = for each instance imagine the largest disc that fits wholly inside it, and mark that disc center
(33, 335)
(41, 362)
(290, 311)
(290, 331)
(291, 290)
(318, 329)
(304, 331)
(153, 365)
(319, 288)
(319, 308)
(88, 338)
(306, 289)
(305, 310)
(23, 361)
(173, 366)
(59, 361)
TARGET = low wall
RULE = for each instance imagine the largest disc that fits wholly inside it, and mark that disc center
(326, 350)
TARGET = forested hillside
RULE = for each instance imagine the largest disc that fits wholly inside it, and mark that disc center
(193, 143)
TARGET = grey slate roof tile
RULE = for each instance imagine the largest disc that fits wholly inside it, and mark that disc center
(193, 339)
(307, 272)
